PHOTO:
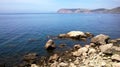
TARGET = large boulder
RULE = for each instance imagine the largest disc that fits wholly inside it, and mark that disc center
(106, 47)
(80, 51)
(50, 45)
(116, 64)
(75, 33)
(100, 39)
(116, 57)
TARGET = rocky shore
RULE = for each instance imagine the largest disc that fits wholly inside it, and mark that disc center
(100, 52)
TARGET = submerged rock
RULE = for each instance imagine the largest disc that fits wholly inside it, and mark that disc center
(100, 39)
(30, 56)
(50, 45)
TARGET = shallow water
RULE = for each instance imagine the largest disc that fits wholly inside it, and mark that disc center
(16, 31)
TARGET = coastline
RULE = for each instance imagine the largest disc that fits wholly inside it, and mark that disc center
(100, 52)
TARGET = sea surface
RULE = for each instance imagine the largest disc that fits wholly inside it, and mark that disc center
(27, 33)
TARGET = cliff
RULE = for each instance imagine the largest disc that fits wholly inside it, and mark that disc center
(100, 10)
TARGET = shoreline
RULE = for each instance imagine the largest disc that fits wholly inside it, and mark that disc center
(100, 52)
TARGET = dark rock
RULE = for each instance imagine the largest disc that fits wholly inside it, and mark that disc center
(50, 45)
(77, 46)
(2, 65)
(88, 34)
(62, 45)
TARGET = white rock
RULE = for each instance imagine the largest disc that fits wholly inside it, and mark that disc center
(80, 51)
(91, 51)
(100, 39)
(116, 57)
(63, 64)
(75, 33)
(34, 65)
(116, 65)
(72, 65)
(104, 48)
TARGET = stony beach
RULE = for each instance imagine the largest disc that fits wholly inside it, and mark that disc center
(100, 52)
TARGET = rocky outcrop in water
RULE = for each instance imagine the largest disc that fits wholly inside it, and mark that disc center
(78, 35)
(100, 52)
(50, 45)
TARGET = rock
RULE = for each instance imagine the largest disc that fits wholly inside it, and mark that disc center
(106, 47)
(53, 58)
(72, 65)
(87, 46)
(77, 46)
(62, 45)
(80, 51)
(103, 64)
(100, 39)
(92, 45)
(116, 65)
(116, 48)
(34, 65)
(75, 34)
(30, 56)
(62, 64)
(118, 39)
(113, 41)
(50, 45)
(2, 64)
(91, 51)
(88, 34)
(76, 61)
(83, 39)
(54, 64)
(116, 57)
(63, 36)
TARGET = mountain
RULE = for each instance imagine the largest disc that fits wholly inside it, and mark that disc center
(73, 11)
(100, 10)
(115, 10)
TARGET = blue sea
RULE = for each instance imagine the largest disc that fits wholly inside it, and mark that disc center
(27, 33)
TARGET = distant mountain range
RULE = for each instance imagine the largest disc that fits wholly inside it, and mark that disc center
(100, 10)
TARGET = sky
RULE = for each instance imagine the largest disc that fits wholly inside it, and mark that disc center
(43, 6)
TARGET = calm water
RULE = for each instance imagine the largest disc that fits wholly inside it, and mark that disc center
(17, 29)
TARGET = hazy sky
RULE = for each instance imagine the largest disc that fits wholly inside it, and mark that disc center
(53, 5)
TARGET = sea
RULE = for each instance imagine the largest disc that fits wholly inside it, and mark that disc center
(23, 33)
